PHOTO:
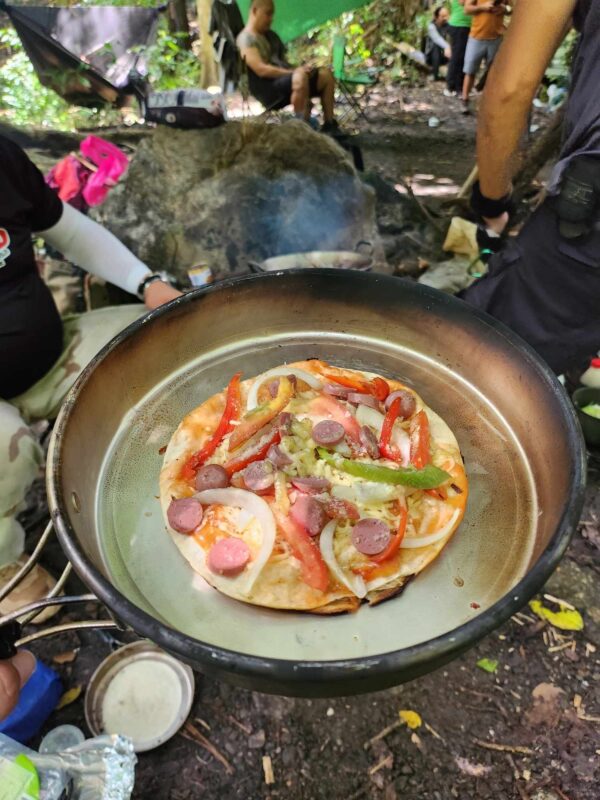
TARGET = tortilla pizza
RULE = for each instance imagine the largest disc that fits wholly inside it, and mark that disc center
(312, 488)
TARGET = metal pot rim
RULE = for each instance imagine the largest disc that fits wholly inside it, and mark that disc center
(346, 676)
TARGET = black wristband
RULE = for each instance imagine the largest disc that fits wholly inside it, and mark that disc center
(486, 207)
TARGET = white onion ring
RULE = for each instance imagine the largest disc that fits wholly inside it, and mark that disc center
(257, 507)
(374, 419)
(279, 372)
(433, 538)
(355, 582)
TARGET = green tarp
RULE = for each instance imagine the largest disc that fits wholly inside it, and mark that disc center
(295, 17)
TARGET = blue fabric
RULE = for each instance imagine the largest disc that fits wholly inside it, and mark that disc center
(39, 697)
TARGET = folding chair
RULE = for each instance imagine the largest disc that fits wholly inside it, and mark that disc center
(349, 81)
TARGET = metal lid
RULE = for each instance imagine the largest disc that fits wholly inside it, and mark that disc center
(141, 692)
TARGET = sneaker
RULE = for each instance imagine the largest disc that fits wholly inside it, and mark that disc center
(332, 128)
(465, 108)
(34, 586)
(449, 93)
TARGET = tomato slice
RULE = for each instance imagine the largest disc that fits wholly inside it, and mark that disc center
(420, 440)
(324, 404)
(380, 388)
(314, 569)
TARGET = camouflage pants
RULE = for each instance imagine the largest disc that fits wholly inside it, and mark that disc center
(21, 457)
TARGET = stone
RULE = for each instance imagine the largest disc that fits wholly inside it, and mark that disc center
(242, 192)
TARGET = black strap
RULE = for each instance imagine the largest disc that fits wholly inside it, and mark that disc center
(486, 207)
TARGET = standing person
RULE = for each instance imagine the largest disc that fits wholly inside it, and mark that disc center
(545, 283)
(41, 354)
(275, 82)
(484, 40)
(437, 49)
(458, 29)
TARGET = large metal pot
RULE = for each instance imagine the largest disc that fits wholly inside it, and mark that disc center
(517, 430)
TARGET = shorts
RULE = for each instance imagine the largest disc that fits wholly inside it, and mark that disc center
(478, 50)
(276, 93)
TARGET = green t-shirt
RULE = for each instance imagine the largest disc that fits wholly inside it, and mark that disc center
(458, 16)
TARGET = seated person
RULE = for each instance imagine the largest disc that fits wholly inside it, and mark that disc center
(272, 80)
(437, 49)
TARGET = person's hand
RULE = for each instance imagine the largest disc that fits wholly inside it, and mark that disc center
(448, 53)
(14, 674)
(497, 224)
(158, 293)
(501, 9)
(489, 6)
(308, 68)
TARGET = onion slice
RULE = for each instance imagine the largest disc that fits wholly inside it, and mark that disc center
(279, 372)
(371, 417)
(257, 507)
(355, 582)
(433, 538)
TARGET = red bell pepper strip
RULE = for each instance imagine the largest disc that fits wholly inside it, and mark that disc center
(255, 454)
(387, 449)
(376, 387)
(230, 413)
(324, 404)
(256, 419)
(314, 570)
(420, 439)
(395, 541)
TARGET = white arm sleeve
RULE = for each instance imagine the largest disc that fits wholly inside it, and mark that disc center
(93, 248)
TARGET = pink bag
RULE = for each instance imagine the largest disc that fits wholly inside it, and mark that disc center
(111, 163)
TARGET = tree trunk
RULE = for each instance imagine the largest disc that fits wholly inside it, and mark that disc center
(210, 74)
(178, 21)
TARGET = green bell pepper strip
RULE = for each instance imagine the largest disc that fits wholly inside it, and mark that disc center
(427, 478)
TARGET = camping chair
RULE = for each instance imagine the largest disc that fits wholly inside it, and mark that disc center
(349, 81)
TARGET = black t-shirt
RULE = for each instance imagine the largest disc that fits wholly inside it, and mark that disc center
(30, 327)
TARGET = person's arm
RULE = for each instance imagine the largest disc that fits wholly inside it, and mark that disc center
(473, 7)
(255, 62)
(93, 248)
(435, 36)
(535, 32)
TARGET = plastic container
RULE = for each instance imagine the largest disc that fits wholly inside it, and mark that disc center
(37, 701)
(591, 377)
(590, 425)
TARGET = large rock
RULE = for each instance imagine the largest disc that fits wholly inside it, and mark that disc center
(244, 191)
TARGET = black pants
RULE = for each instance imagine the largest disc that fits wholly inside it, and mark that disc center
(458, 38)
(547, 289)
(435, 58)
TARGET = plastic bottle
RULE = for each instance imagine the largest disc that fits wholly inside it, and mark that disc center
(591, 377)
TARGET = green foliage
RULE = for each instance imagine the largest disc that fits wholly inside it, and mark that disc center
(170, 64)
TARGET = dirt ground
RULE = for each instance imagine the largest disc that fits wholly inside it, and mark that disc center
(528, 731)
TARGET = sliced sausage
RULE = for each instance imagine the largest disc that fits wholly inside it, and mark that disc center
(274, 388)
(335, 390)
(327, 432)
(228, 556)
(359, 399)
(369, 441)
(371, 536)
(259, 475)
(211, 476)
(278, 457)
(311, 485)
(310, 514)
(284, 423)
(185, 514)
(337, 508)
(408, 404)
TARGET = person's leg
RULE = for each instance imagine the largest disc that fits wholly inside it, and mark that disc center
(473, 56)
(326, 91)
(300, 93)
(20, 460)
(492, 46)
(437, 56)
(461, 47)
(451, 75)
(546, 289)
(84, 336)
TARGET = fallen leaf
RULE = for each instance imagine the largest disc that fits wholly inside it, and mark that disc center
(548, 702)
(488, 664)
(411, 718)
(475, 770)
(69, 697)
(566, 619)
(66, 657)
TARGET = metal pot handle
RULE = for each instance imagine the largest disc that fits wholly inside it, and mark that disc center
(11, 624)
(370, 249)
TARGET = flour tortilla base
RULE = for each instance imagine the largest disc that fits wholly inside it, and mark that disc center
(280, 584)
